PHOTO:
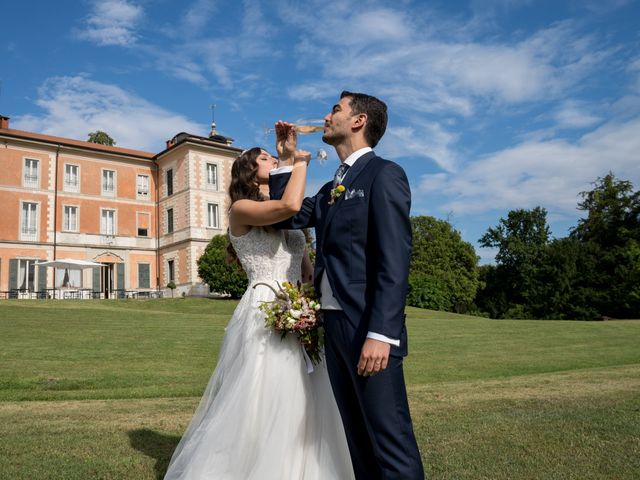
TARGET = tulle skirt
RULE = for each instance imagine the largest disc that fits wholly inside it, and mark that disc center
(262, 416)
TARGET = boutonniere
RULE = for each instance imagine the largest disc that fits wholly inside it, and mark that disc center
(336, 193)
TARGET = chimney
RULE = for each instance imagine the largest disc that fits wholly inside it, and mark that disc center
(4, 122)
(213, 131)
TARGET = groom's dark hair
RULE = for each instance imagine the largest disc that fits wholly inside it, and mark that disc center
(376, 112)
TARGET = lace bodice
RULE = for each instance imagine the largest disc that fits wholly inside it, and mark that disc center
(267, 254)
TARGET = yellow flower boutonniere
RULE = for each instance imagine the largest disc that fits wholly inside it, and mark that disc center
(336, 193)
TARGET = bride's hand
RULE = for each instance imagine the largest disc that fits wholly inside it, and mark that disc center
(286, 140)
(302, 156)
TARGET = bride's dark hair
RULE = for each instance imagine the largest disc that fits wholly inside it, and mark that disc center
(244, 185)
(244, 177)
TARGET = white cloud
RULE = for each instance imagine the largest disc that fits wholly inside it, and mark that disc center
(112, 22)
(427, 140)
(572, 114)
(547, 173)
(75, 106)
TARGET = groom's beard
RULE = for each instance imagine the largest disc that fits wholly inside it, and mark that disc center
(332, 140)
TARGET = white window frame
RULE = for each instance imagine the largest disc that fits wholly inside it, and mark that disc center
(213, 185)
(66, 225)
(216, 217)
(109, 193)
(143, 196)
(29, 236)
(23, 266)
(115, 221)
(27, 173)
(67, 186)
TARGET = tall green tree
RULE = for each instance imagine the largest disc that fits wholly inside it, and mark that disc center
(221, 276)
(520, 239)
(444, 268)
(611, 233)
(101, 137)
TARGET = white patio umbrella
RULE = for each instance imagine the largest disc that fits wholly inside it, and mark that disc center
(70, 263)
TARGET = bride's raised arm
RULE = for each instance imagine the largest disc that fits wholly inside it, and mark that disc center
(252, 210)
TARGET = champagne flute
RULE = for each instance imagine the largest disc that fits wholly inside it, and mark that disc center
(306, 127)
(303, 127)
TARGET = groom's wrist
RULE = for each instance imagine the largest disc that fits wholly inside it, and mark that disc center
(383, 338)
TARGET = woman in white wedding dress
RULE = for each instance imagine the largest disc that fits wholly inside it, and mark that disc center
(262, 416)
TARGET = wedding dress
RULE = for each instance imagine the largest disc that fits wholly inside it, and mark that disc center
(262, 416)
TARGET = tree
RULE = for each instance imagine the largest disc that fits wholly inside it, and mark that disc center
(221, 276)
(172, 286)
(444, 271)
(520, 239)
(611, 233)
(101, 137)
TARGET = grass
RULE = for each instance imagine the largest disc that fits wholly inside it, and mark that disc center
(104, 389)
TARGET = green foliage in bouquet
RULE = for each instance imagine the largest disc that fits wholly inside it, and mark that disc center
(296, 309)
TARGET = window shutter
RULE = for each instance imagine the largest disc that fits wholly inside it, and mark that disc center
(143, 275)
(42, 278)
(120, 282)
(96, 279)
(13, 273)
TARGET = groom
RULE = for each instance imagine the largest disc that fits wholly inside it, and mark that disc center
(363, 239)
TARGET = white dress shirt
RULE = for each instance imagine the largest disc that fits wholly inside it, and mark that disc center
(328, 301)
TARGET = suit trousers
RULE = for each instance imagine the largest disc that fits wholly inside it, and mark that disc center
(374, 410)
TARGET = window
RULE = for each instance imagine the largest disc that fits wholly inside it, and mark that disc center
(144, 275)
(171, 272)
(68, 278)
(30, 172)
(212, 209)
(169, 182)
(143, 222)
(108, 223)
(29, 224)
(169, 220)
(108, 182)
(143, 186)
(70, 219)
(27, 275)
(212, 175)
(71, 177)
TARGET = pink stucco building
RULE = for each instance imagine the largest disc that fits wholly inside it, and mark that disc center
(146, 216)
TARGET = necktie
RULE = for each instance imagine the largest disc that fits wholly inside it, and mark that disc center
(340, 173)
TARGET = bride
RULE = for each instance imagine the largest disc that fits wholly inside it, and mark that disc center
(262, 416)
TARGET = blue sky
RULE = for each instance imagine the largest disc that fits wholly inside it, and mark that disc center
(494, 104)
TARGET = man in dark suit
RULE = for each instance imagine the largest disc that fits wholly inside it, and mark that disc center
(363, 240)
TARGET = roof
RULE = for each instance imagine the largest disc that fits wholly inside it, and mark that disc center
(218, 141)
(69, 142)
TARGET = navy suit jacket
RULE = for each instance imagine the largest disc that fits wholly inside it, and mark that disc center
(363, 243)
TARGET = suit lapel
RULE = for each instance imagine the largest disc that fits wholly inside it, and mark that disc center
(351, 176)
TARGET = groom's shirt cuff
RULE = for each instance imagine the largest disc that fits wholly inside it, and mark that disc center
(382, 338)
(285, 169)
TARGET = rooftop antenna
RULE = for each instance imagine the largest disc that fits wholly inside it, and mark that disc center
(213, 120)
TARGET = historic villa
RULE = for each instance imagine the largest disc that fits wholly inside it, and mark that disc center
(146, 217)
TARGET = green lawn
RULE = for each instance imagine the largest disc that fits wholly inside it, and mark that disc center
(104, 389)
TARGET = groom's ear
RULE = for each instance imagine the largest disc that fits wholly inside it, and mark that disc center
(359, 120)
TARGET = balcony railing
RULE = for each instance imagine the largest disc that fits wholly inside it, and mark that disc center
(29, 234)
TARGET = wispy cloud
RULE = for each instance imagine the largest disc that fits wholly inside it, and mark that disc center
(572, 114)
(74, 106)
(548, 173)
(112, 22)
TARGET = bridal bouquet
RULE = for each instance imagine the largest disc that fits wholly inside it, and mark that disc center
(296, 309)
